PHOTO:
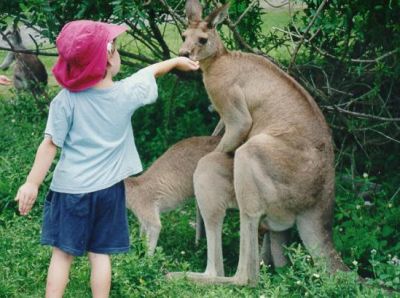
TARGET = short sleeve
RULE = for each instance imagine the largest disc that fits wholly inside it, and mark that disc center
(60, 118)
(140, 88)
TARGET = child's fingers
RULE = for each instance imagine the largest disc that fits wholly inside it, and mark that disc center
(194, 65)
(25, 204)
(22, 203)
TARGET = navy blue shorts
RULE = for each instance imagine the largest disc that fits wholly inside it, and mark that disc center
(95, 222)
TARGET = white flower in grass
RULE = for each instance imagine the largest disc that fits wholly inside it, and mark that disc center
(298, 282)
(182, 252)
(316, 275)
(262, 296)
(390, 205)
(358, 207)
(373, 251)
(355, 263)
(396, 261)
(365, 175)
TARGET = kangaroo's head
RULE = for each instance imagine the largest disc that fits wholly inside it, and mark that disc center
(13, 35)
(201, 39)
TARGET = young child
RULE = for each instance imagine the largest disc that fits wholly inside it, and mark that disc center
(90, 120)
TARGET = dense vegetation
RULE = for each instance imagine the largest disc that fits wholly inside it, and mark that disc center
(348, 59)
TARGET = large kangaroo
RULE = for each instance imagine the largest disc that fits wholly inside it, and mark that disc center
(283, 155)
(29, 72)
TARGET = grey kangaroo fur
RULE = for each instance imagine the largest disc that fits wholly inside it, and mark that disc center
(29, 72)
(282, 168)
(168, 183)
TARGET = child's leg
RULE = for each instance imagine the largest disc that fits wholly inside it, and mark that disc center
(57, 276)
(100, 277)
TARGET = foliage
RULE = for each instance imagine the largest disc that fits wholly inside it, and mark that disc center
(352, 67)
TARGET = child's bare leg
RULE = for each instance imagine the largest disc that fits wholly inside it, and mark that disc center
(57, 276)
(100, 277)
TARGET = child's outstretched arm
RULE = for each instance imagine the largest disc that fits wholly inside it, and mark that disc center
(180, 63)
(28, 192)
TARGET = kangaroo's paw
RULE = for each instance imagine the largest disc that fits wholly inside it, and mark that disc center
(204, 278)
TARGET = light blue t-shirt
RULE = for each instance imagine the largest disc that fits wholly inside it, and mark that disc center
(93, 128)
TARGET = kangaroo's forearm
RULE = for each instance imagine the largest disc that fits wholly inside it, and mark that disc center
(7, 61)
(234, 136)
(236, 117)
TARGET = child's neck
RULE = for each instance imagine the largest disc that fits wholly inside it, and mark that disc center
(106, 82)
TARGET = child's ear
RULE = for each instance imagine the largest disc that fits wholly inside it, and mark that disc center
(109, 61)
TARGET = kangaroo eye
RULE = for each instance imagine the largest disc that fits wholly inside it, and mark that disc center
(203, 41)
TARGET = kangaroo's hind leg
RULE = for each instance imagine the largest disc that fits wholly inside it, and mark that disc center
(214, 194)
(150, 225)
(278, 241)
(272, 247)
(257, 193)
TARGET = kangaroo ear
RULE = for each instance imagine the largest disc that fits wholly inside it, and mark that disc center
(193, 10)
(217, 16)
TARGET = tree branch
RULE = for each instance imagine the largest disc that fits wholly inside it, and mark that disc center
(299, 44)
(360, 115)
(26, 51)
(158, 35)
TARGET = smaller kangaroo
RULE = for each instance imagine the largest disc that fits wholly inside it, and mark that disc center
(29, 72)
(167, 184)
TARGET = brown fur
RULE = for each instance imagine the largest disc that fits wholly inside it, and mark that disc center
(29, 72)
(283, 154)
(166, 184)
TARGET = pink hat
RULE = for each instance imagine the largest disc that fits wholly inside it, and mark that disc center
(82, 49)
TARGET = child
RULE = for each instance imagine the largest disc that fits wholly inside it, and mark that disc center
(90, 120)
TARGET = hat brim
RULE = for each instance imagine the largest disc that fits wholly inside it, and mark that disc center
(114, 30)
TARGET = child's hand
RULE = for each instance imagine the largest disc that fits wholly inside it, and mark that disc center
(4, 80)
(185, 64)
(26, 197)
